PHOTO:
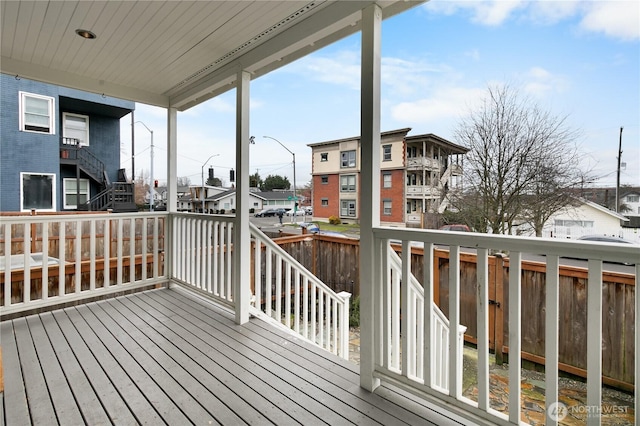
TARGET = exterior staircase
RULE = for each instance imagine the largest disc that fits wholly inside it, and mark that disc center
(116, 196)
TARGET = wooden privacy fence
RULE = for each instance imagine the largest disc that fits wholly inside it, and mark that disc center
(71, 256)
(336, 260)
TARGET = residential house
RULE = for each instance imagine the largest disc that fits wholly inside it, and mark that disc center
(587, 218)
(226, 201)
(205, 329)
(606, 196)
(416, 174)
(60, 147)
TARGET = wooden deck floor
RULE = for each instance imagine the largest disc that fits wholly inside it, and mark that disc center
(167, 357)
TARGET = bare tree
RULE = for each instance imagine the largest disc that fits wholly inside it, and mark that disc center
(522, 162)
(183, 181)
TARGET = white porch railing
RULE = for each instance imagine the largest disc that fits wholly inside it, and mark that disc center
(47, 260)
(202, 254)
(399, 348)
(282, 289)
(287, 292)
(439, 340)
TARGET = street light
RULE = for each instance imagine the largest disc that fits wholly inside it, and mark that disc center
(295, 198)
(151, 181)
(202, 176)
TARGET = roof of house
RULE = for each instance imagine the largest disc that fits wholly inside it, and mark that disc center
(276, 195)
(402, 132)
(439, 141)
(232, 191)
(600, 208)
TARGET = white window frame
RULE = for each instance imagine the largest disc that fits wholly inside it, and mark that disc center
(65, 182)
(386, 207)
(345, 185)
(51, 114)
(345, 158)
(386, 152)
(324, 180)
(346, 210)
(386, 180)
(633, 198)
(85, 140)
(53, 191)
(324, 202)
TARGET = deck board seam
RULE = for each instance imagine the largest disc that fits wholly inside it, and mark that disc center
(153, 391)
(305, 379)
(162, 350)
(230, 360)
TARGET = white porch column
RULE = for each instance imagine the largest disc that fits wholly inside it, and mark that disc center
(370, 278)
(242, 235)
(172, 187)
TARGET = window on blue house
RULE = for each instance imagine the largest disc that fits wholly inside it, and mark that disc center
(37, 113)
(37, 191)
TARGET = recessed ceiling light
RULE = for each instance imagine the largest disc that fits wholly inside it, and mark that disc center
(85, 34)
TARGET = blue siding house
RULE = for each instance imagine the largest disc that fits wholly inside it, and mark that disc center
(60, 148)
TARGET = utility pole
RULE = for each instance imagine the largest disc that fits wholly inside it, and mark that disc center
(618, 178)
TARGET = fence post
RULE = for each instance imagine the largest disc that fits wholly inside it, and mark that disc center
(498, 285)
(344, 325)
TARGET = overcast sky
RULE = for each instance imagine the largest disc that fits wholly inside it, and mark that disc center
(579, 59)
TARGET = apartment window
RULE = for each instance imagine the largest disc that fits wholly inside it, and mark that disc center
(348, 183)
(324, 156)
(70, 189)
(633, 198)
(36, 113)
(76, 127)
(386, 180)
(348, 158)
(386, 152)
(37, 191)
(324, 180)
(324, 202)
(348, 208)
(386, 207)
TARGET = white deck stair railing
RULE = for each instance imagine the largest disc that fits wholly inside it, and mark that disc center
(286, 291)
(439, 340)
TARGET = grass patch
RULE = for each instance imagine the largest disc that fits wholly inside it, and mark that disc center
(342, 227)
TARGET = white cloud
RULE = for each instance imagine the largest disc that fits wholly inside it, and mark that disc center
(617, 19)
(614, 18)
(540, 82)
(342, 68)
(490, 13)
(444, 104)
(548, 12)
(405, 77)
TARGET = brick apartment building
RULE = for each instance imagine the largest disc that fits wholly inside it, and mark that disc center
(416, 173)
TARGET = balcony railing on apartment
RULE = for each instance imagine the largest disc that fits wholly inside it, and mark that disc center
(72, 152)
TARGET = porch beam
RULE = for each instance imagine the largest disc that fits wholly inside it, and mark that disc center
(370, 194)
(242, 233)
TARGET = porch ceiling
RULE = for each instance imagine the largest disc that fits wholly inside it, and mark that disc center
(166, 52)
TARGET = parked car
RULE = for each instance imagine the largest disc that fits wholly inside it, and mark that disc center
(299, 212)
(455, 227)
(605, 239)
(269, 212)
